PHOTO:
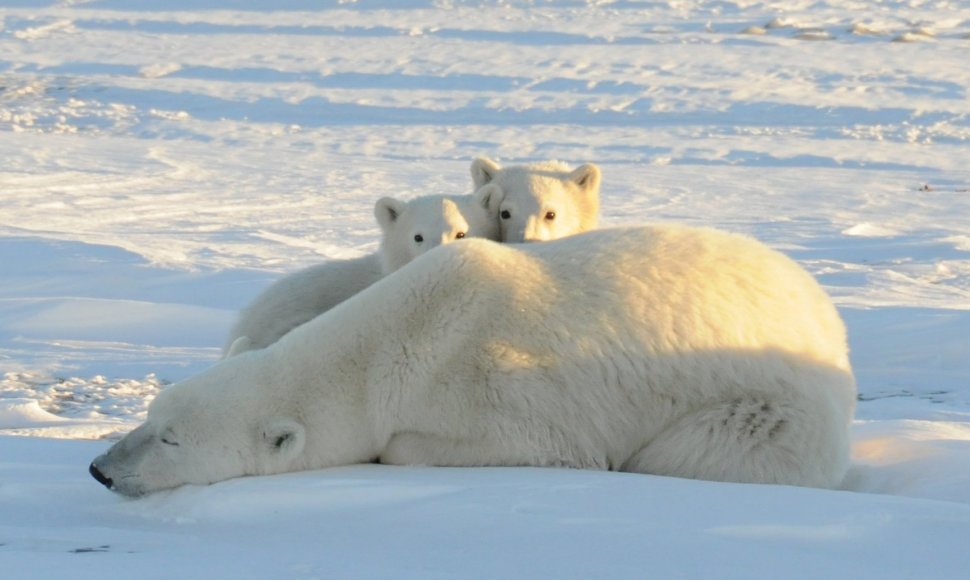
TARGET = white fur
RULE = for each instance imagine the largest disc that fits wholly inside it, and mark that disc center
(301, 296)
(437, 219)
(665, 350)
(542, 201)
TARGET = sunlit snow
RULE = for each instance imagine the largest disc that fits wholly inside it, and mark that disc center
(164, 161)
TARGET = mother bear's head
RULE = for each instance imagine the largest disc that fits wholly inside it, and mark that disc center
(218, 425)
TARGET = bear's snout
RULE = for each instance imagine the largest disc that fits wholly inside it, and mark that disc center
(102, 478)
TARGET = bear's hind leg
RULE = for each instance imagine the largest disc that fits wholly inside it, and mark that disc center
(753, 439)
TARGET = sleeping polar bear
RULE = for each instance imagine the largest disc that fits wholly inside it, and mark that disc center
(664, 350)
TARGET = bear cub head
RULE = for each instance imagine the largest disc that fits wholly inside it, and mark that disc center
(411, 228)
(542, 201)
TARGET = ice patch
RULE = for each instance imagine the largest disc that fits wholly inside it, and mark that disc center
(780, 22)
(18, 413)
(868, 230)
(918, 35)
(74, 408)
(862, 29)
(169, 115)
(45, 30)
(26, 418)
(155, 71)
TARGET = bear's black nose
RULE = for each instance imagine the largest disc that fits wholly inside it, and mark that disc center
(102, 478)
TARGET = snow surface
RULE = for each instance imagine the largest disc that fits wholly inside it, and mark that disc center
(165, 160)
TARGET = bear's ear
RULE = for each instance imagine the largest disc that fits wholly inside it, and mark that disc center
(489, 197)
(587, 177)
(283, 437)
(483, 171)
(387, 210)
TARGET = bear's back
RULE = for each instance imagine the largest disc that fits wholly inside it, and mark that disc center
(681, 288)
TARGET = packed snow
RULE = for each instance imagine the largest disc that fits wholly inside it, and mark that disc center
(164, 161)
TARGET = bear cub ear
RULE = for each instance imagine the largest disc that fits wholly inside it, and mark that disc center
(387, 210)
(489, 197)
(283, 437)
(587, 177)
(483, 171)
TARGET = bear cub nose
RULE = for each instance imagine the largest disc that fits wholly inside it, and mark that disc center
(102, 478)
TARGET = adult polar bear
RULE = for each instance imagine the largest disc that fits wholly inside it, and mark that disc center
(665, 350)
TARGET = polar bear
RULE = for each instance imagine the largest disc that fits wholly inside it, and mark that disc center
(542, 201)
(408, 229)
(661, 349)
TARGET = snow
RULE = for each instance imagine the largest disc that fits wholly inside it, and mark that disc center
(163, 161)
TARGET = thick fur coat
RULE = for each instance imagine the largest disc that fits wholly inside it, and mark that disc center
(664, 350)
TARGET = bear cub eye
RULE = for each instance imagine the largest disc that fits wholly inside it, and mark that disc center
(167, 440)
(506, 214)
(459, 235)
(418, 238)
(550, 215)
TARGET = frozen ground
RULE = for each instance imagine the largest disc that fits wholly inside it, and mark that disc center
(163, 161)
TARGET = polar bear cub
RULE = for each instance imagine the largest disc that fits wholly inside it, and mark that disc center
(542, 201)
(665, 350)
(408, 229)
